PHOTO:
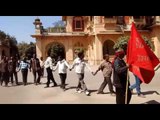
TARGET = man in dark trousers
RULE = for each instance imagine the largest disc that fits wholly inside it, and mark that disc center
(106, 68)
(49, 67)
(120, 78)
(12, 63)
(24, 66)
(36, 69)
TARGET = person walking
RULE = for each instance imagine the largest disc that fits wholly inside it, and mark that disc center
(120, 78)
(62, 66)
(49, 67)
(24, 66)
(36, 69)
(80, 65)
(106, 68)
(136, 86)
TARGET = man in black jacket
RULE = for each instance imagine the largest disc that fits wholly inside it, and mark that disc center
(36, 69)
(120, 78)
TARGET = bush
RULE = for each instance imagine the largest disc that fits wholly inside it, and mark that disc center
(123, 41)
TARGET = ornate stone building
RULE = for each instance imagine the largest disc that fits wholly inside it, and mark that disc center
(95, 34)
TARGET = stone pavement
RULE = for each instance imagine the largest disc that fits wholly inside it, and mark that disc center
(32, 94)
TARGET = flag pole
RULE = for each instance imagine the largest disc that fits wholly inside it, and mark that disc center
(126, 93)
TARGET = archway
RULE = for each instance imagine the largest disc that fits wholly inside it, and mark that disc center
(108, 47)
(55, 50)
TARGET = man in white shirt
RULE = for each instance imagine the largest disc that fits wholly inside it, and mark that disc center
(62, 65)
(80, 65)
(48, 65)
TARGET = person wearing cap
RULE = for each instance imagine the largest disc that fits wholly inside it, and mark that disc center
(120, 78)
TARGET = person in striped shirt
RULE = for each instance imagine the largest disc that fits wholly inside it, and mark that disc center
(24, 66)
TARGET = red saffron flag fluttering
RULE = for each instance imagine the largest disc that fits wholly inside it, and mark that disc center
(141, 59)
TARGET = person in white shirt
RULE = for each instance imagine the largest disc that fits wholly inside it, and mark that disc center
(42, 66)
(49, 67)
(62, 66)
(80, 65)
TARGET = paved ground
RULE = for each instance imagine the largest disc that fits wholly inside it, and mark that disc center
(32, 94)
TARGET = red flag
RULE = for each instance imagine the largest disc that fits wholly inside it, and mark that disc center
(140, 57)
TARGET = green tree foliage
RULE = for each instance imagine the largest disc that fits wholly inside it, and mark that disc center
(26, 49)
(8, 40)
(56, 50)
(123, 41)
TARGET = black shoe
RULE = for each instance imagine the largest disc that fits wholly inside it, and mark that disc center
(55, 84)
(46, 86)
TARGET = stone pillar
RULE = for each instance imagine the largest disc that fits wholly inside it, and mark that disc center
(157, 46)
(97, 51)
(96, 19)
(39, 48)
(69, 51)
(157, 19)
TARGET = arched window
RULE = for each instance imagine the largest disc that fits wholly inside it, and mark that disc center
(78, 23)
(108, 47)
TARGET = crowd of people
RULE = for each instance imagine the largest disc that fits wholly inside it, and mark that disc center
(10, 66)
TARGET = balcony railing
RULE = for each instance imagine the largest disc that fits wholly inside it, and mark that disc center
(56, 30)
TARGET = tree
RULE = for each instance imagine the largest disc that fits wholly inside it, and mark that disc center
(123, 41)
(10, 41)
(56, 50)
(26, 49)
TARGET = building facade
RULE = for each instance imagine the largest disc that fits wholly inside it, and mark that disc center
(94, 34)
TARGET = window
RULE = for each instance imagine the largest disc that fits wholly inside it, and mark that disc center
(78, 23)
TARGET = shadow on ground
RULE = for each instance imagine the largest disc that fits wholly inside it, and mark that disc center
(151, 102)
(150, 92)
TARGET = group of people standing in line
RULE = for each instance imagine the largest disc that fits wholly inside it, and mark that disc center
(118, 67)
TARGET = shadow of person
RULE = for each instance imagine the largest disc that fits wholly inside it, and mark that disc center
(151, 102)
(91, 91)
(150, 92)
(71, 87)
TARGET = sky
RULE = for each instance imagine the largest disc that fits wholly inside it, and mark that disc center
(22, 27)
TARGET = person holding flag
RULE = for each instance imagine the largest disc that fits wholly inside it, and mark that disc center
(140, 58)
(120, 70)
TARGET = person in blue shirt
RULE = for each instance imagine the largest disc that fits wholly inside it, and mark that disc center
(24, 66)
